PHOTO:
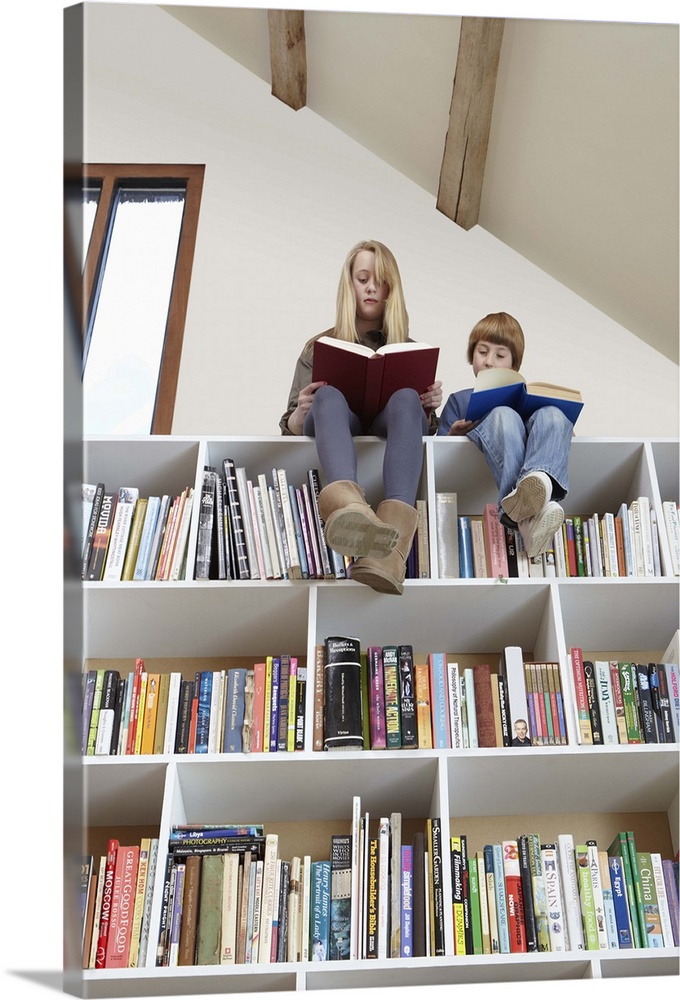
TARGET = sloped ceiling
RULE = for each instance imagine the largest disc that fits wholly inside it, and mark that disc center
(581, 172)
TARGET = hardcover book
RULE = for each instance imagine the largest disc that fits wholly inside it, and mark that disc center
(390, 658)
(368, 378)
(343, 728)
(446, 516)
(407, 699)
(504, 387)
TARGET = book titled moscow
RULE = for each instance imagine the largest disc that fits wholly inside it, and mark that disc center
(343, 728)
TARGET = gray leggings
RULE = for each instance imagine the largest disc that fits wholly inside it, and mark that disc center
(402, 423)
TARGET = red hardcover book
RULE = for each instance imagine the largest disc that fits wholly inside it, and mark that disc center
(134, 706)
(486, 723)
(107, 896)
(495, 547)
(122, 907)
(513, 890)
(585, 729)
(570, 547)
(368, 378)
(376, 698)
(260, 673)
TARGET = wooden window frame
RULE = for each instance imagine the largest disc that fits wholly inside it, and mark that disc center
(109, 177)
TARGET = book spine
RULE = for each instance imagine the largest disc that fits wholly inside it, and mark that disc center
(390, 658)
(343, 727)
(407, 702)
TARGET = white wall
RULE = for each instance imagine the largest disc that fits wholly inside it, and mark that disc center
(285, 196)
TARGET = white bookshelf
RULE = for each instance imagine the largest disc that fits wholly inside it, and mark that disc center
(590, 792)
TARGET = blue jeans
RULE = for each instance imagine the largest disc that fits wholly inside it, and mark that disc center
(513, 449)
(402, 423)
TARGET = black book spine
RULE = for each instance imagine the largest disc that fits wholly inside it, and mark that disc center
(665, 704)
(236, 530)
(648, 725)
(503, 707)
(121, 688)
(282, 942)
(186, 694)
(301, 698)
(206, 518)
(343, 728)
(419, 949)
(527, 893)
(407, 701)
(467, 912)
(92, 527)
(593, 703)
(438, 886)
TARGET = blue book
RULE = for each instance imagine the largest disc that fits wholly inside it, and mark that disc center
(501, 899)
(467, 569)
(148, 531)
(503, 387)
(235, 710)
(439, 697)
(320, 910)
(203, 717)
(406, 936)
(620, 896)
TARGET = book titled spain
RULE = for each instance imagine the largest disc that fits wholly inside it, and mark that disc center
(343, 728)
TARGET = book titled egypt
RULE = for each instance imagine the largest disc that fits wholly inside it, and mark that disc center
(368, 378)
(504, 387)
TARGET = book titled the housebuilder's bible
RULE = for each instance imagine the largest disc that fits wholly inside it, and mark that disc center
(368, 378)
(504, 387)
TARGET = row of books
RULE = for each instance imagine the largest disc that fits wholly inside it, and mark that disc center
(390, 698)
(522, 895)
(242, 710)
(624, 702)
(128, 537)
(625, 544)
(116, 899)
(255, 529)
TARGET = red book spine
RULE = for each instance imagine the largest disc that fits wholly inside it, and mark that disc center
(104, 918)
(134, 706)
(513, 888)
(580, 695)
(496, 549)
(122, 908)
(486, 726)
(376, 699)
(571, 547)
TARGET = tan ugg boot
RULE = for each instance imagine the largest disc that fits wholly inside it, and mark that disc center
(350, 526)
(386, 575)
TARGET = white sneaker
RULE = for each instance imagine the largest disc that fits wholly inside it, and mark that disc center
(538, 531)
(529, 497)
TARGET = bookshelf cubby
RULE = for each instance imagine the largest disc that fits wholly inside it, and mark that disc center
(307, 796)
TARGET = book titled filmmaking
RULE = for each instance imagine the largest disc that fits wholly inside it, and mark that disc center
(504, 387)
(368, 378)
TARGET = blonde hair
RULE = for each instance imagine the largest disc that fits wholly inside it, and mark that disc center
(395, 318)
(502, 329)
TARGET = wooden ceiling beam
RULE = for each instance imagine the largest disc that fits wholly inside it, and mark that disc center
(474, 85)
(288, 56)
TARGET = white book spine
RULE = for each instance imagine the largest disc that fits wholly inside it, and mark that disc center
(145, 542)
(554, 898)
(672, 524)
(247, 522)
(598, 897)
(662, 898)
(229, 909)
(263, 563)
(610, 540)
(603, 681)
(269, 525)
(455, 712)
(173, 709)
(306, 907)
(214, 725)
(271, 851)
(570, 891)
(356, 888)
(560, 557)
(446, 517)
(473, 738)
(289, 527)
(177, 571)
(120, 532)
(646, 536)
